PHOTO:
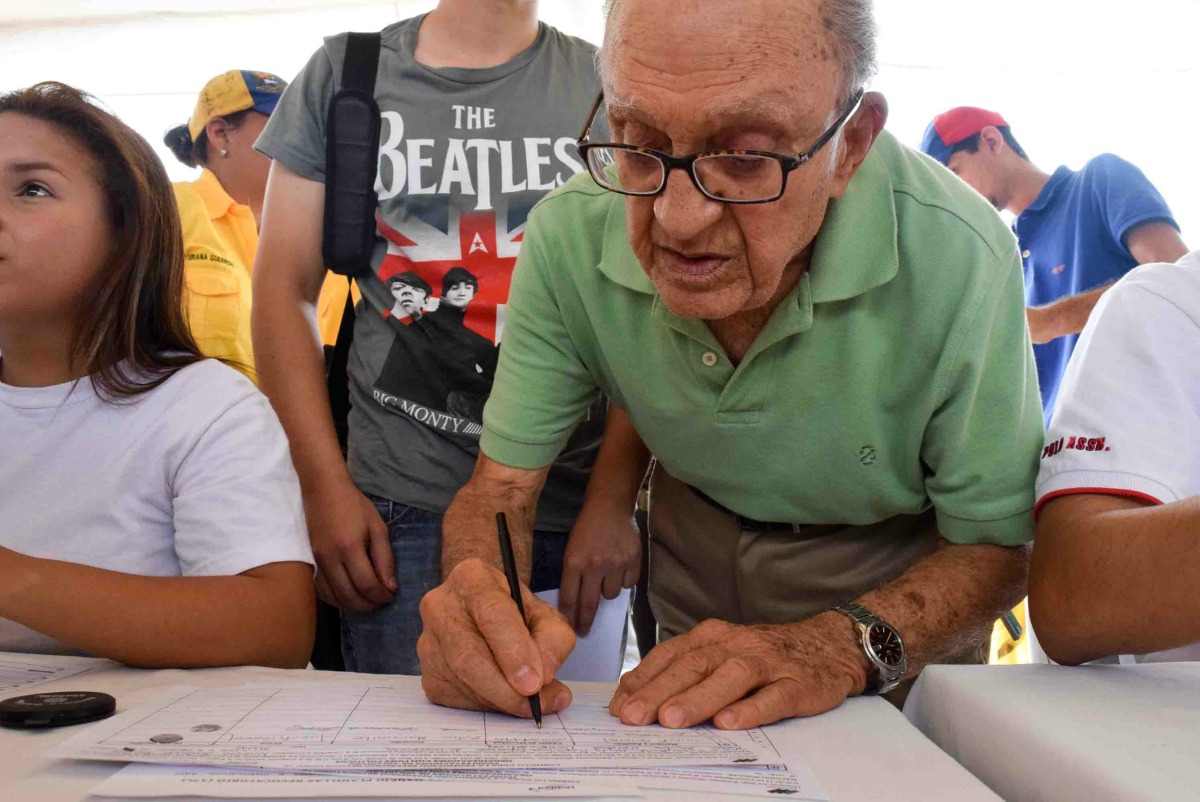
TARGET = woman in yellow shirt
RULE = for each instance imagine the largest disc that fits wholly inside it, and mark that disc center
(220, 211)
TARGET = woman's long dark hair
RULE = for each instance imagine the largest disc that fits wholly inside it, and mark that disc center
(132, 334)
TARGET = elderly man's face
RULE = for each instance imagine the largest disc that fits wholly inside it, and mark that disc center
(755, 74)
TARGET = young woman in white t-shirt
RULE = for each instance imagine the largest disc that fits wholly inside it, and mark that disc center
(149, 511)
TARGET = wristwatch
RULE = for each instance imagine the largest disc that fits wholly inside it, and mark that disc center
(883, 645)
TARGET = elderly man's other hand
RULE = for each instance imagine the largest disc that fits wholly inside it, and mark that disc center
(745, 676)
(477, 654)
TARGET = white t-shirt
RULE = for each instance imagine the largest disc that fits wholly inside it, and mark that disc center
(1128, 416)
(190, 479)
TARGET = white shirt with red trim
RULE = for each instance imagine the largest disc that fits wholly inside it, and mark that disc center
(1128, 416)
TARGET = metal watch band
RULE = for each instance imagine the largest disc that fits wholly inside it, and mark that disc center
(859, 613)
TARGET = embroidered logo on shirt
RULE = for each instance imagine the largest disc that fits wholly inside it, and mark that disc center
(1075, 444)
(867, 455)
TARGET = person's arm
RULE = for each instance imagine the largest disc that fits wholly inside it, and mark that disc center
(264, 616)
(1065, 316)
(604, 552)
(1148, 243)
(744, 677)
(1114, 575)
(470, 521)
(1155, 242)
(350, 540)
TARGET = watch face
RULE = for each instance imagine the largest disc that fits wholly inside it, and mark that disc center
(886, 645)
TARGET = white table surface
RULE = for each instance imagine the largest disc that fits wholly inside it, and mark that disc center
(863, 751)
(1045, 732)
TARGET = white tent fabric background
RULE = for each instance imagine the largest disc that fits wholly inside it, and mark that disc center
(1074, 77)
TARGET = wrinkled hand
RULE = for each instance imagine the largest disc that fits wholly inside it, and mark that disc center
(604, 555)
(743, 677)
(477, 654)
(355, 566)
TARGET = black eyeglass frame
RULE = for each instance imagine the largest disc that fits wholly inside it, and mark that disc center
(687, 163)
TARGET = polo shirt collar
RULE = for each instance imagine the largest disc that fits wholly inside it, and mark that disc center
(617, 260)
(216, 200)
(857, 248)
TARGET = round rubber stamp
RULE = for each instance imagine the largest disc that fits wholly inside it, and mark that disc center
(59, 709)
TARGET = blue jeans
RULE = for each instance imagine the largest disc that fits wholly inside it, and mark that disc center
(384, 641)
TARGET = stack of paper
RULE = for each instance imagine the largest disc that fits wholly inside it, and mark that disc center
(383, 739)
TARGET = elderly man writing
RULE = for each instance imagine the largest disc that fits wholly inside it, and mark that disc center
(820, 335)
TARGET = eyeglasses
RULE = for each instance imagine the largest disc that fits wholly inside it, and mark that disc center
(728, 176)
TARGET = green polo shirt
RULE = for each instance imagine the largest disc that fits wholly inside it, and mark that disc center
(898, 376)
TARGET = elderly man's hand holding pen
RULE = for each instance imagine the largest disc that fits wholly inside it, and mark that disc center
(478, 654)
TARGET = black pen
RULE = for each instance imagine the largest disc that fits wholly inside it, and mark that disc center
(514, 587)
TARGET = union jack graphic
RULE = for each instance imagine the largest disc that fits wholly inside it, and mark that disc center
(480, 242)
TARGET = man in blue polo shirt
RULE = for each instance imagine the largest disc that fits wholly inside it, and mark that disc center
(1079, 231)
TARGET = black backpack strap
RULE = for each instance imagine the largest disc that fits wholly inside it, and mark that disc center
(361, 62)
(351, 160)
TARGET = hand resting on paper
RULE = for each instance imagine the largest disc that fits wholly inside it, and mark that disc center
(744, 676)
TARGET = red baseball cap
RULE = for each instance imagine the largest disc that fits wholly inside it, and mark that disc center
(948, 129)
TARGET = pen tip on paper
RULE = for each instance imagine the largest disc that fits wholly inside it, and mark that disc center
(539, 725)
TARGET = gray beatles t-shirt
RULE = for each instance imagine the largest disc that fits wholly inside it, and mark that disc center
(464, 155)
